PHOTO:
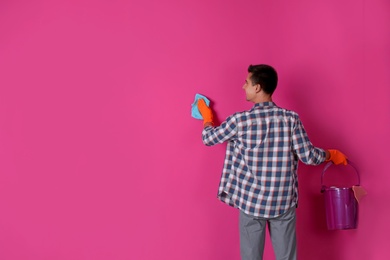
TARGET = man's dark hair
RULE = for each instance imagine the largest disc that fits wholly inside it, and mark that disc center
(264, 75)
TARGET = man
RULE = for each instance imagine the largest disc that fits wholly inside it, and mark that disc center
(260, 169)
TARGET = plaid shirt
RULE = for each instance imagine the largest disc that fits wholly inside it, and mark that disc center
(260, 170)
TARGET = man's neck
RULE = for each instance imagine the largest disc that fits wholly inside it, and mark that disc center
(263, 98)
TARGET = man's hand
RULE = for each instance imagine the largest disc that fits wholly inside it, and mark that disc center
(336, 157)
(206, 112)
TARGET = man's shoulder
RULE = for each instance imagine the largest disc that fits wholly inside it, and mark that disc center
(261, 113)
(286, 111)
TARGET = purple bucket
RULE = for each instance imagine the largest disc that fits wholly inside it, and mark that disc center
(341, 206)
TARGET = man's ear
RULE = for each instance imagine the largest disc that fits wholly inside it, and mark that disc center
(258, 88)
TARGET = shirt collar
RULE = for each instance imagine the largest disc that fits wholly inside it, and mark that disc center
(265, 105)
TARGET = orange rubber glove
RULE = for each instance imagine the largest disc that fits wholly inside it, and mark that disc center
(205, 111)
(337, 157)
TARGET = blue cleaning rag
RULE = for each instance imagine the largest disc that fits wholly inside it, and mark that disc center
(194, 110)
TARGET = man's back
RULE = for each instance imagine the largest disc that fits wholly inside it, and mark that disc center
(260, 168)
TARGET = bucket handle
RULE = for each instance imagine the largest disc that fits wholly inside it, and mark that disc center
(330, 164)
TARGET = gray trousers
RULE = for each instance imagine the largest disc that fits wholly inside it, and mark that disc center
(282, 233)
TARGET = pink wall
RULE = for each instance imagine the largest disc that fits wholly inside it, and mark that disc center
(100, 159)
